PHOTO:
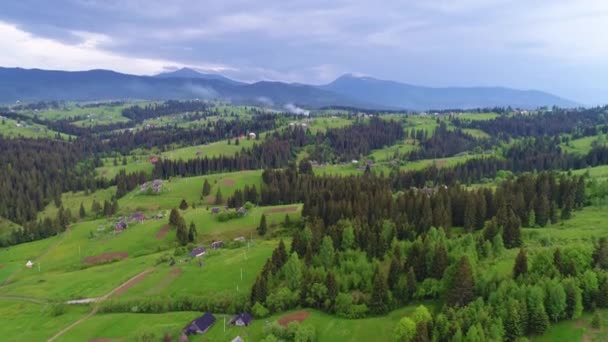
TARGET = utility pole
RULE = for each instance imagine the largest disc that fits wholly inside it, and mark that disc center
(241, 273)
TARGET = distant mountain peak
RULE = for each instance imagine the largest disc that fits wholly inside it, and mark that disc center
(186, 72)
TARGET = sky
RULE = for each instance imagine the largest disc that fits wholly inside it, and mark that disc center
(559, 46)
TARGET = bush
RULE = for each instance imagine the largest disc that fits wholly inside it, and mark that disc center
(258, 310)
(596, 322)
(57, 309)
(179, 251)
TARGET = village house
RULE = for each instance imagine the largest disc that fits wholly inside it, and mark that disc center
(217, 244)
(215, 211)
(197, 252)
(120, 226)
(200, 325)
(241, 320)
(238, 339)
(242, 211)
(138, 216)
(29, 264)
(240, 239)
(252, 135)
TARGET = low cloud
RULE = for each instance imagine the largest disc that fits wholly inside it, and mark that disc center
(206, 93)
(291, 108)
(265, 101)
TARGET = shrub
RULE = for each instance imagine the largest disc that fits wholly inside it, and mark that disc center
(596, 321)
(258, 310)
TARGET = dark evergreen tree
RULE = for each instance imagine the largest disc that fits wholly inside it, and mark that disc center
(82, 213)
(262, 228)
(462, 286)
(521, 264)
(379, 301)
(206, 188)
(192, 233)
(183, 205)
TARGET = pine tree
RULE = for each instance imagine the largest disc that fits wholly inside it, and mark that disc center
(183, 205)
(379, 297)
(182, 232)
(262, 227)
(192, 232)
(542, 211)
(513, 322)
(326, 252)
(332, 286)
(206, 188)
(82, 213)
(470, 214)
(521, 264)
(440, 262)
(174, 217)
(218, 197)
(287, 221)
(394, 272)
(512, 231)
(411, 283)
(96, 208)
(462, 287)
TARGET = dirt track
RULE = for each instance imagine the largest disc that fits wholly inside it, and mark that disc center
(105, 257)
(294, 317)
(281, 210)
(123, 287)
(161, 233)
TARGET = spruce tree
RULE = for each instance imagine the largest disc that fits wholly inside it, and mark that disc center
(82, 213)
(218, 197)
(174, 217)
(183, 205)
(182, 232)
(206, 188)
(192, 232)
(394, 272)
(462, 287)
(379, 298)
(521, 264)
(512, 231)
(262, 228)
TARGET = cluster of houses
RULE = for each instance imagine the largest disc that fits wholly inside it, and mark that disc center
(137, 217)
(202, 324)
(303, 125)
(200, 251)
(155, 186)
(242, 211)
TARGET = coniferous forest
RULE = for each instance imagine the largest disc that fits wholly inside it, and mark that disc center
(466, 218)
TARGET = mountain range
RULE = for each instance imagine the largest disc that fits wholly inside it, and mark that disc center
(28, 85)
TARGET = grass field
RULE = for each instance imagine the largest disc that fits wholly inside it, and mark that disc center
(190, 189)
(579, 146)
(220, 148)
(101, 115)
(25, 321)
(12, 129)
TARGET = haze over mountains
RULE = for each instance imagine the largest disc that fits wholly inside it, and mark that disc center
(349, 90)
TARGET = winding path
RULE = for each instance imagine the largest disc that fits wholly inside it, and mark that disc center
(124, 286)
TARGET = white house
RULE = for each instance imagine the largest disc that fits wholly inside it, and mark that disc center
(29, 264)
(252, 135)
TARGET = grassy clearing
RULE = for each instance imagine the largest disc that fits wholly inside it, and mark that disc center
(12, 129)
(72, 200)
(329, 328)
(477, 133)
(25, 321)
(220, 273)
(388, 153)
(322, 124)
(134, 164)
(579, 146)
(129, 327)
(101, 115)
(579, 330)
(220, 148)
(477, 116)
(190, 189)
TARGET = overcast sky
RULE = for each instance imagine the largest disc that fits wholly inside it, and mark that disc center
(560, 46)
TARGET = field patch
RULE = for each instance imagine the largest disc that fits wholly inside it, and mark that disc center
(166, 281)
(281, 210)
(228, 182)
(161, 233)
(299, 317)
(105, 257)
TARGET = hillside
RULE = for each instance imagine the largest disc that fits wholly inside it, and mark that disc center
(400, 95)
